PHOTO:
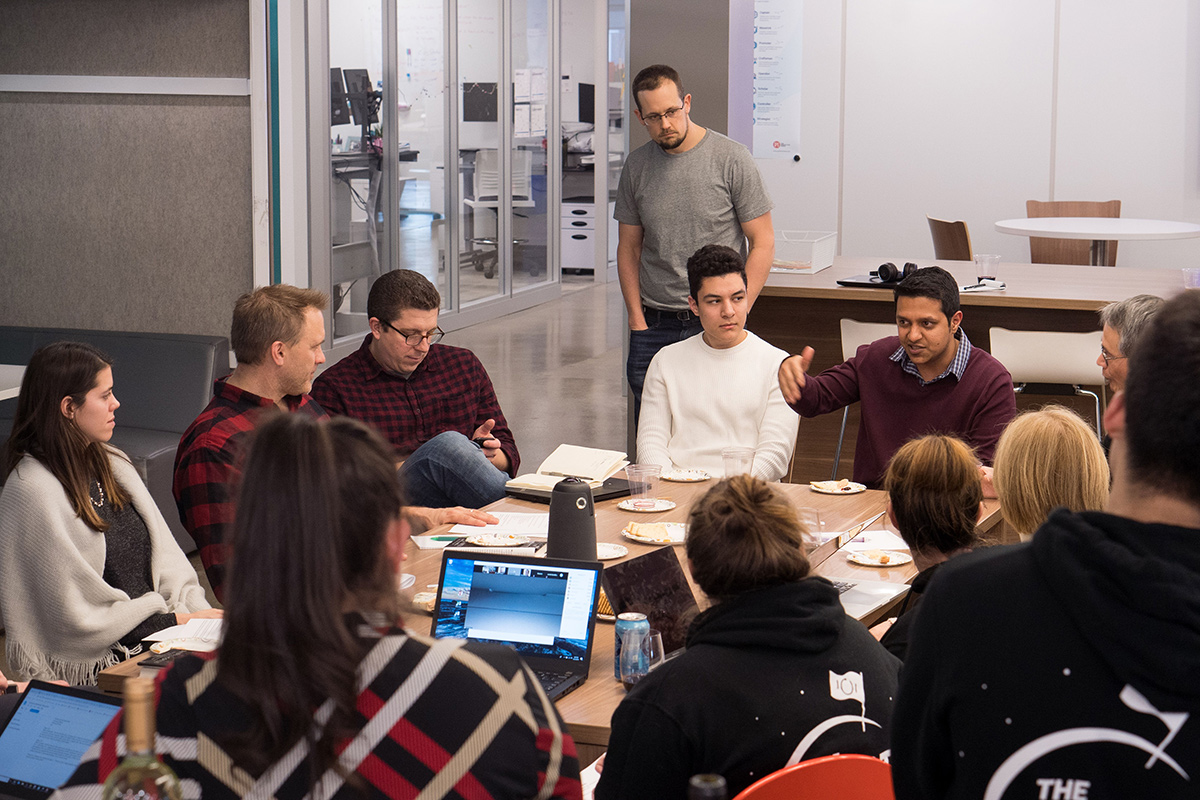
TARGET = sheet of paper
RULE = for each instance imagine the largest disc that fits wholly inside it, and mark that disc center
(521, 120)
(521, 85)
(537, 119)
(537, 85)
(535, 525)
(876, 540)
(200, 635)
(588, 778)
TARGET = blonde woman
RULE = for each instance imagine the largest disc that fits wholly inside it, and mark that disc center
(1045, 460)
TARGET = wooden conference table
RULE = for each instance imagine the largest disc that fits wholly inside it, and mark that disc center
(588, 710)
(798, 310)
(1099, 230)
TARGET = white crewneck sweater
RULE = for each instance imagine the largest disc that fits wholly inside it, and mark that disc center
(698, 400)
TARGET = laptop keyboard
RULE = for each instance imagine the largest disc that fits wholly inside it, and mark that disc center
(552, 680)
(843, 586)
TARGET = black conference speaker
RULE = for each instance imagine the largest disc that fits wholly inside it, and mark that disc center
(572, 531)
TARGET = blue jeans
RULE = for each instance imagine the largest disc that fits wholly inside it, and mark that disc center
(666, 327)
(450, 470)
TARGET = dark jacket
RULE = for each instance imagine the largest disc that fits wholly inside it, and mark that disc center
(1065, 667)
(895, 639)
(763, 682)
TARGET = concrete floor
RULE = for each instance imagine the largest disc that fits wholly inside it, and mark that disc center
(557, 369)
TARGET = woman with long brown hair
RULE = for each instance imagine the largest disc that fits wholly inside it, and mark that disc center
(774, 672)
(317, 688)
(88, 566)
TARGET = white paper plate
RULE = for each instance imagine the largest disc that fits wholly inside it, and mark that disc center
(875, 558)
(497, 540)
(659, 505)
(673, 533)
(686, 475)
(607, 552)
(853, 488)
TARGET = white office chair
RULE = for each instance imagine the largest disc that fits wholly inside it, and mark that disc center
(1050, 357)
(483, 251)
(854, 335)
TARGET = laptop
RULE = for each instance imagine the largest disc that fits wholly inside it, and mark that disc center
(655, 585)
(609, 490)
(543, 608)
(43, 741)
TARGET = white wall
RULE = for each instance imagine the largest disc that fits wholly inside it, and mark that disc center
(967, 110)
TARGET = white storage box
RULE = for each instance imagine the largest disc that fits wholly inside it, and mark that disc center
(804, 252)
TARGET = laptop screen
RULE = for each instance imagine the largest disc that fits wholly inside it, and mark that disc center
(46, 736)
(654, 584)
(539, 607)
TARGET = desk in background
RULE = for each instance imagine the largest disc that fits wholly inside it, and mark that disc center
(798, 310)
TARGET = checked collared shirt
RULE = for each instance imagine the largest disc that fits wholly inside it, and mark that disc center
(448, 391)
(207, 469)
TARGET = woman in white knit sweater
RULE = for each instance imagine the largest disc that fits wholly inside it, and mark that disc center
(88, 567)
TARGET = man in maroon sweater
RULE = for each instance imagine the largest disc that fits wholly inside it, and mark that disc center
(929, 379)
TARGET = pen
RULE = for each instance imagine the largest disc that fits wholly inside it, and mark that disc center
(442, 538)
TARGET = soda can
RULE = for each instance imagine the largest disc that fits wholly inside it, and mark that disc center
(630, 620)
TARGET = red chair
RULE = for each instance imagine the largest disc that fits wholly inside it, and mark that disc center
(842, 777)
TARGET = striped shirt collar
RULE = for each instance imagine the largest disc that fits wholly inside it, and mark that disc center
(956, 368)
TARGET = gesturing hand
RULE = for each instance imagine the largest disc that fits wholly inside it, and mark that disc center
(793, 375)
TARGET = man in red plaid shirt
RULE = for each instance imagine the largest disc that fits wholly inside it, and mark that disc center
(433, 402)
(277, 336)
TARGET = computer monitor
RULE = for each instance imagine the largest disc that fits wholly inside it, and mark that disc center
(364, 100)
(587, 103)
(339, 108)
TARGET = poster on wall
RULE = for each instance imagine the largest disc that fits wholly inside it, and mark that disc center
(776, 59)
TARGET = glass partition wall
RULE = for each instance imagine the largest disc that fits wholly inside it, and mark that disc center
(452, 184)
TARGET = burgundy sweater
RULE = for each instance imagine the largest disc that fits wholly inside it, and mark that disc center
(896, 407)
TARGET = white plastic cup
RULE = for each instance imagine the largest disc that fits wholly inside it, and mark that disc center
(738, 460)
(643, 484)
(1191, 277)
(986, 266)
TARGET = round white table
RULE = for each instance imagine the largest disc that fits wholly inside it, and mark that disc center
(1100, 230)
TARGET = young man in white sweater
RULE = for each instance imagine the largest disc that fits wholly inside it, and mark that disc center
(718, 389)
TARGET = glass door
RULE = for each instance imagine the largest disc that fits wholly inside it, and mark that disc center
(359, 175)
(532, 222)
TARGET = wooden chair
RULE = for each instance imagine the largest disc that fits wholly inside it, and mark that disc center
(1069, 251)
(951, 241)
(840, 777)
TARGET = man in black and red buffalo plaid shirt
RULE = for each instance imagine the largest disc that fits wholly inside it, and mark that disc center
(277, 335)
(433, 402)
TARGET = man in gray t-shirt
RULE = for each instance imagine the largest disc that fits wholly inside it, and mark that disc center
(686, 188)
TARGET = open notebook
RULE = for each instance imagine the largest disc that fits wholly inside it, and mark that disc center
(572, 461)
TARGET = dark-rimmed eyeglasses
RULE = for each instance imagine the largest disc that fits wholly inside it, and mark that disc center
(1107, 356)
(415, 339)
(656, 119)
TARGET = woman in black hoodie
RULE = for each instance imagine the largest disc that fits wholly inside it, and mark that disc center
(774, 672)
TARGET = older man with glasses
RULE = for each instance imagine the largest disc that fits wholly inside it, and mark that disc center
(686, 188)
(434, 403)
(1124, 322)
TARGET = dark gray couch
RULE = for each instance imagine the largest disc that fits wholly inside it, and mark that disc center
(163, 380)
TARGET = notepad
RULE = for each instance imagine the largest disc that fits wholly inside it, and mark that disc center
(572, 461)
